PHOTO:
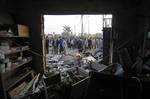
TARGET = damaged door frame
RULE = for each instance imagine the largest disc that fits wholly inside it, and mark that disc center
(111, 45)
(43, 42)
(111, 42)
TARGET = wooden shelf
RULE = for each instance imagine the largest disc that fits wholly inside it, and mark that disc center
(13, 52)
(12, 37)
(19, 65)
(16, 79)
(29, 59)
(18, 70)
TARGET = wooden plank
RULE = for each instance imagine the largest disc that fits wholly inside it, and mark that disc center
(19, 65)
(13, 52)
(17, 90)
(16, 79)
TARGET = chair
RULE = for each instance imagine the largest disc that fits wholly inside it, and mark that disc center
(103, 86)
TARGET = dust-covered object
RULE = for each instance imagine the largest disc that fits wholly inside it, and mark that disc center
(89, 59)
(56, 58)
(29, 90)
(17, 91)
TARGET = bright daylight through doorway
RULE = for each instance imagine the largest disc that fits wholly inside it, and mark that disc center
(74, 35)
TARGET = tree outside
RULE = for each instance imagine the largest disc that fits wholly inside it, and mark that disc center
(67, 32)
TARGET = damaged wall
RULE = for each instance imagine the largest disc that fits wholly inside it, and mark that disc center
(124, 23)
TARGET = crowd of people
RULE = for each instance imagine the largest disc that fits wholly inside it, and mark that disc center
(61, 45)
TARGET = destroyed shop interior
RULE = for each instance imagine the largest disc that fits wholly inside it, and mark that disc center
(74, 49)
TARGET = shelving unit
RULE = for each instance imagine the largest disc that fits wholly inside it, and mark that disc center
(17, 54)
(19, 65)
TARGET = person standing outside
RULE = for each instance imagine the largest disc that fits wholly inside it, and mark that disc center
(72, 43)
(61, 45)
(80, 45)
(55, 45)
(65, 46)
(90, 43)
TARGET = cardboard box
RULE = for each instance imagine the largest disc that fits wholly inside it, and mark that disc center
(23, 30)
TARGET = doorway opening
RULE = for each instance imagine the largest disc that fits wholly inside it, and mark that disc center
(69, 36)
